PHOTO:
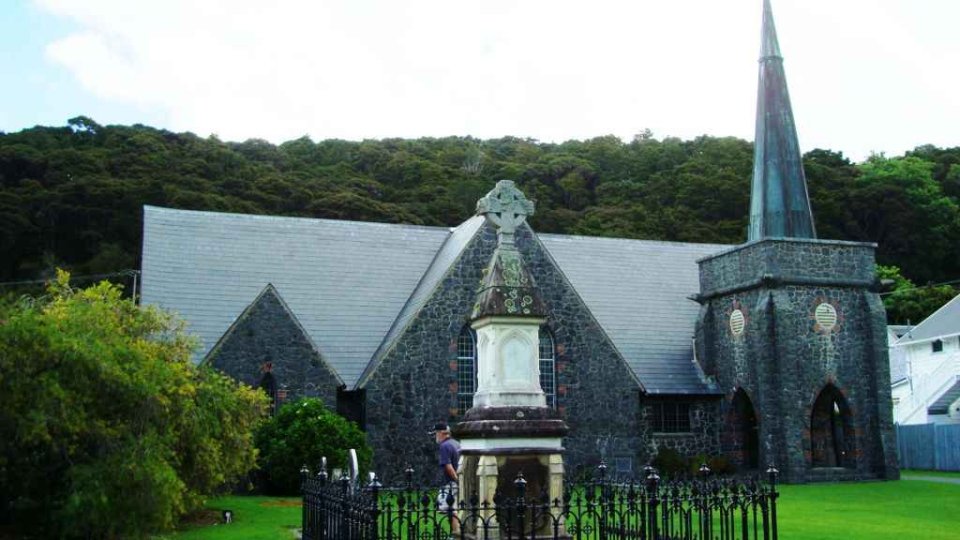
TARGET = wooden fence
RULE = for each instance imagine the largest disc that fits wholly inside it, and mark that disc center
(929, 446)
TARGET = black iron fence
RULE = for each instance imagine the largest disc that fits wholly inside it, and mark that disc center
(603, 508)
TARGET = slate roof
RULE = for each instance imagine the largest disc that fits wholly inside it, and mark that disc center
(345, 280)
(354, 286)
(944, 322)
(637, 290)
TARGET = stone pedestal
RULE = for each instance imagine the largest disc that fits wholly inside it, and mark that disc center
(509, 432)
(498, 445)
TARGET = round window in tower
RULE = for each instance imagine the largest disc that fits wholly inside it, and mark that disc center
(737, 322)
(826, 316)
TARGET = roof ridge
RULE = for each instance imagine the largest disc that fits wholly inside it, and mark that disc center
(270, 217)
(273, 217)
(627, 239)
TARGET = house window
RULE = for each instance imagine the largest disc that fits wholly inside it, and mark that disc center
(671, 417)
(548, 368)
(937, 346)
(466, 369)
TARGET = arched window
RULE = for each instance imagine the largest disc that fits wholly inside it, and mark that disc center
(466, 369)
(548, 368)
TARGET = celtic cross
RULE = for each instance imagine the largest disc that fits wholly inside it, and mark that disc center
(507, 208)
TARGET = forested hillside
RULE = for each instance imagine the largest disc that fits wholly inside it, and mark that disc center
(72, 196)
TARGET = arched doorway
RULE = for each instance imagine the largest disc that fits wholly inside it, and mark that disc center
(831, 430)
(745, 430)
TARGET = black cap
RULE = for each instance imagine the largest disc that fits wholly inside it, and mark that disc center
(438, 427)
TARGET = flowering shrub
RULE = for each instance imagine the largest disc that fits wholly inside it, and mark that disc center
(302, 433)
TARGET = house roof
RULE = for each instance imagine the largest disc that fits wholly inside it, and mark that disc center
(942, 404)
(354, 286)
(944, 322)
(898, 365)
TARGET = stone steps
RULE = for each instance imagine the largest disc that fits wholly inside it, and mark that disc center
(838, 474)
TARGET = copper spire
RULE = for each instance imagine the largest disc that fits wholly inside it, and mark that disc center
(779, 204)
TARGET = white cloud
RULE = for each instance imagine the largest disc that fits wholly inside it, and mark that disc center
(864, 75)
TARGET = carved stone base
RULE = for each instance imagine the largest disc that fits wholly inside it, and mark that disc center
(487, 475)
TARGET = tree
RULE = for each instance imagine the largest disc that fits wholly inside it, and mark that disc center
(106, 427)
(908, 304)
(896, 203)
(302, 433)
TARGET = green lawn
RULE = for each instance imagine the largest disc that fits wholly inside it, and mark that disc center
(254, 518)
(904, 510)
(908, 509)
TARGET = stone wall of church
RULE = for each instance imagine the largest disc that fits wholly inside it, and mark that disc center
(416, 383)
(703, 439)
(782, 320)
(267, 338)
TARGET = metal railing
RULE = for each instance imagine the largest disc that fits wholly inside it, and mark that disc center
(603, 508)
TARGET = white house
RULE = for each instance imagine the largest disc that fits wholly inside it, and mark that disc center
(925, 368)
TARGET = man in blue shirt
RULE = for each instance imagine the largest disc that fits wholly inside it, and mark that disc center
(449, 450)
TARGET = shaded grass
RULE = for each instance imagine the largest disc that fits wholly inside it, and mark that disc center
(254, 518)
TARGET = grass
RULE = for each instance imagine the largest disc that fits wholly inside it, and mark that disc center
(254, 518)
(908, 509)
(904, 510)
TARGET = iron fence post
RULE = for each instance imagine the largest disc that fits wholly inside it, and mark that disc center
(602, 472)
(375, 486)
(653, 487)
(319, 511)
(706, 513)
(304, 473)
(521, 484)
(772, 474)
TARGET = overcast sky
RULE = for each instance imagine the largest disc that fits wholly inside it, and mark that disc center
(864, 75)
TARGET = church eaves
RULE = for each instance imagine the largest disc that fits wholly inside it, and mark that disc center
(779, 204)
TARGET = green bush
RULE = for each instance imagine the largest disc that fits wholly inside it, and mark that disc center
(301, 433)
(669, 463)
(107, 429)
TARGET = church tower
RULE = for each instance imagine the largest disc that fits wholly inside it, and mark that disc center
(791, 327)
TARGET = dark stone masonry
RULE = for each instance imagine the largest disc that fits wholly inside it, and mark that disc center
(416, 383)
(795, 330)
(792, 332)
(266, 346)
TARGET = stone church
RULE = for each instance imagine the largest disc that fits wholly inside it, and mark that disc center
(769, 352)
